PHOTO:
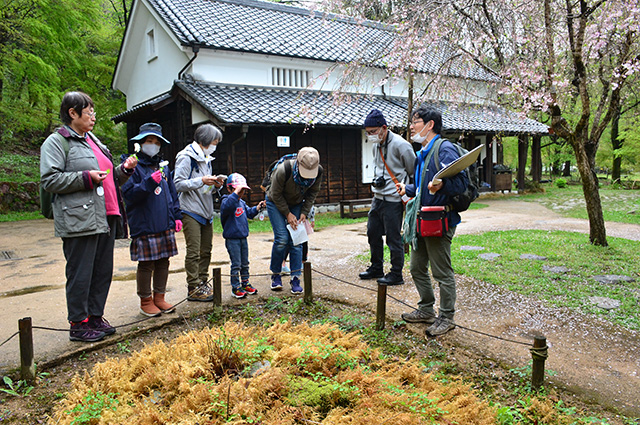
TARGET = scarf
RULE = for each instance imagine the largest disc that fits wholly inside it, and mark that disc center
(299, 180)
(422, 154)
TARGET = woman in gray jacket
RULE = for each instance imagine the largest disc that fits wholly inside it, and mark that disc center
(195, 186)
(87, 212)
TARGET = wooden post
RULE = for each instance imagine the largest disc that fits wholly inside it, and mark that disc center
(539, 354)
(381, 311)
(308, 287)
(523, 149)
(217, 286)
(27, 365)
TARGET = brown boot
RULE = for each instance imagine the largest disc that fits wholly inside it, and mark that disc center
(148, 308)
(165, 307)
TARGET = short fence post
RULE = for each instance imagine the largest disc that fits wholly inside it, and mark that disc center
(27, 365)
(539, 354)
(217, 286)
(381, 310)
(308, 287)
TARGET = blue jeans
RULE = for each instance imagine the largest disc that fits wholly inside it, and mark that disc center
(238, 250)
(282, 243)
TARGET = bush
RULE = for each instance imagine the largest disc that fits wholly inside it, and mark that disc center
(560, 183)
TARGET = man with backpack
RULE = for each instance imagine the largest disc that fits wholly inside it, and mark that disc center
(431, 239)
(291, 192)
(393, 162)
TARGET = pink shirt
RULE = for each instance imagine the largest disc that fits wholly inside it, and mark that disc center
(108, 184)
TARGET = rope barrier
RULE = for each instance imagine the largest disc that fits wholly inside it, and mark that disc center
(539, 352)
(9, 339)
(412, 307)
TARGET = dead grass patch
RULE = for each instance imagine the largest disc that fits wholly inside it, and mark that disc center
(283, 374)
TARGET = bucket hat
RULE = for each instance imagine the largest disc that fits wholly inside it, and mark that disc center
(150, 129)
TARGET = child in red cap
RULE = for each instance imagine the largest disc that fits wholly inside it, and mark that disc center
(234, 216)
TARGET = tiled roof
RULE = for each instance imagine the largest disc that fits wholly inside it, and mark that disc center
(142, 106)
(255, 105)
(277, 29)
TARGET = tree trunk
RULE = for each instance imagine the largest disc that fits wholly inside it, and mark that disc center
(616, 144)
(566, 169)
(597, 231)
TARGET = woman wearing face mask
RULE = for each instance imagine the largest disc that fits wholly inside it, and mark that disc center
(194, 180)
(154, 217)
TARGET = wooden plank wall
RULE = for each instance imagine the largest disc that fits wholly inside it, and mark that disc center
(339, 149)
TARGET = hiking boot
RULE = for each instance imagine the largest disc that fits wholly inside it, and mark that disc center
(276, 282)
(148, 308)
(165, 307)
(391, 279)
(419, 316)
(250, 290)
(440, 327)
(295, 285)
(204, 292)
(238, 293)
(99, 323)
(371, 273)
(80, 331)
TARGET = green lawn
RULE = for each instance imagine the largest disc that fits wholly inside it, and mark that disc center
(568, 249)
(618, 205)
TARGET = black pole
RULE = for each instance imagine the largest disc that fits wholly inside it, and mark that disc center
(27, 365)
(381, 311)
(308, 287)
(217, 286)
(539, 354)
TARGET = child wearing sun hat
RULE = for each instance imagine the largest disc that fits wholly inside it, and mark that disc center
(234, 216)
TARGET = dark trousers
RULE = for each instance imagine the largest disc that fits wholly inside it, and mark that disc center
(89, 271)
(385, 218)
(238, 250)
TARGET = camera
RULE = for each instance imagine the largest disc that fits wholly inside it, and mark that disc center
(379, 182)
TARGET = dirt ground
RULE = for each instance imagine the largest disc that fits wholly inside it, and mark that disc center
(589, 356)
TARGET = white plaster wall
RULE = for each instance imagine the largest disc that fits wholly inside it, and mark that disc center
(141, 77)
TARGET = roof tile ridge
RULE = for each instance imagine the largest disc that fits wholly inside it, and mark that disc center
(178, 18)
(269, 5)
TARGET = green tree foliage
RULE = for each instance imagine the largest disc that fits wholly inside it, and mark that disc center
(48, 47)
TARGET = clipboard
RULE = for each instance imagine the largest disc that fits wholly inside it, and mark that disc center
(458, 165)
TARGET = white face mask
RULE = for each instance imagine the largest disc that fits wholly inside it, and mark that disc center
(417, 138)
(373, 138)
(210, 149)
(150, 149)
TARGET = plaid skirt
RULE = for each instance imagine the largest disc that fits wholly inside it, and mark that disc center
(154, 247)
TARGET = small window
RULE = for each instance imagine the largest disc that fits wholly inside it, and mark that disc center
(151, 45)
(286, 77)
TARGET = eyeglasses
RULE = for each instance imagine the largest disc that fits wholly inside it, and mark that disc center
(418, 121)
(372, 132)
(91, 114)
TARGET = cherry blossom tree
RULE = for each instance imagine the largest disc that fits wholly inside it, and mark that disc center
(566, 62)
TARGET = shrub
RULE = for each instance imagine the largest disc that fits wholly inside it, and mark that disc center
(560, 183)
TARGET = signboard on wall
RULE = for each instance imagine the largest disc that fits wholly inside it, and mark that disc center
(283, 142)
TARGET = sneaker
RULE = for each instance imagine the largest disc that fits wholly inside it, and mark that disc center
(371, 273)
(250, 290)
(99, 323)
(285, 270)
(276, 282)
(81, 331)
(238, 293)
(391, 279)
(419, 316)
(204, 292)
(440, 327)
(295, 285)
